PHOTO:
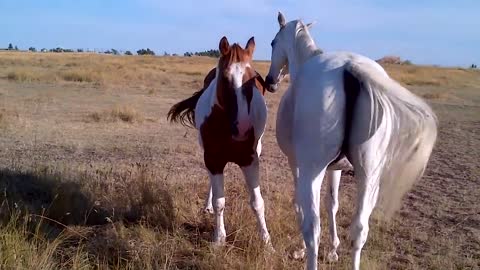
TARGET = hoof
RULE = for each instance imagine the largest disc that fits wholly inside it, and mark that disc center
(299, 254)
(219, 241)
(332, 256)
(208, 210)
(218, 244)
(269, 247)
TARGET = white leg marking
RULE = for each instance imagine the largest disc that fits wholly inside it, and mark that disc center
(208, 209)
(307, 196)
(251, 174)
(218, 195)
(333, 180)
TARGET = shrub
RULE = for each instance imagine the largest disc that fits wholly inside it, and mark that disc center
(128, 53)
(145, 52)
(124, 113)
(81, 76)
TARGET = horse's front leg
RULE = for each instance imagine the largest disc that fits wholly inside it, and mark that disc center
(218, 199)
(215, 167)
(208, 209)
(251, 174)
(333, 179)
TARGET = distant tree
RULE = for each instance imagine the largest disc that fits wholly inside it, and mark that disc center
(57, 50)
(32, 49)
(10, 46)
(145, 52)
(44, 50)
(209, 53)
(79, 50)
(174, 54)
(165, 53)
(16, 48)
(473, 66)
(115, 52)
(107, 52)
(407, 62)
(128, 53)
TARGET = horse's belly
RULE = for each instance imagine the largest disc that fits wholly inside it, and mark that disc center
(284, 124)
(340, 164)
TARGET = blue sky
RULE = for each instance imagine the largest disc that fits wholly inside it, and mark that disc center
(444, 32)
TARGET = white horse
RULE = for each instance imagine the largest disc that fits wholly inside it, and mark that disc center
(345, 105)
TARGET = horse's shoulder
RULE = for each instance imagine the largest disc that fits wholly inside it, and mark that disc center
(205, 103)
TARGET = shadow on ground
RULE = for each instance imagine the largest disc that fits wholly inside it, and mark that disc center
(65, 202)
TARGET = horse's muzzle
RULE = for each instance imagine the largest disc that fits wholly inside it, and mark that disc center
(272, 85)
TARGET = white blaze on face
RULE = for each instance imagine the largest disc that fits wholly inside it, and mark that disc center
(237, 70)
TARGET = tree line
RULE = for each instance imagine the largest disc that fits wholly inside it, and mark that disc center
(209, 53)
(147, 51)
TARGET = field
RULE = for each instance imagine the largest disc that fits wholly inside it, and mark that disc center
(92, 176)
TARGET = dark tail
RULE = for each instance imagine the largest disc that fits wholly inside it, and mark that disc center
(184, 111)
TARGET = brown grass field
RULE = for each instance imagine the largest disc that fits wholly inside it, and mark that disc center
(93, 177)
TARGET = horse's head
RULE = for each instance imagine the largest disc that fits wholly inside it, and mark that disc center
(235, 84)
(283, 45)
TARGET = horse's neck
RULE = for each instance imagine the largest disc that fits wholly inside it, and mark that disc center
(303, 50)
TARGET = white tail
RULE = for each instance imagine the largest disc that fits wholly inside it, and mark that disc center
(414, 131)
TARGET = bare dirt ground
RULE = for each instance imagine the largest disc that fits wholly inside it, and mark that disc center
(93, 177)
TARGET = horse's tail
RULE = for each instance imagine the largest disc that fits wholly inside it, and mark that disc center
(184, 111)
(413, 127)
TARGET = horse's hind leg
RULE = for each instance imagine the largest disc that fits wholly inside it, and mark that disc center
(367, 193)
(366, 151)
(333, 180)
(367, 161)
(307, 196)
(251, 174)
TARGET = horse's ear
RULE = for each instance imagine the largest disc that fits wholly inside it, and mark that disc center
(250, 47)
(281, 19)
(309, 25)
(224, 46)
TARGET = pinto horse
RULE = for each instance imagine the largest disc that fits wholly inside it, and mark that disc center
(344, 106)
(230, 114)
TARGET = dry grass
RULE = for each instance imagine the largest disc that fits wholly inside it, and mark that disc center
(78, 191)
(123, 113)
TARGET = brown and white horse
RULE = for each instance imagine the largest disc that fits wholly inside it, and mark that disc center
(230, 114)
